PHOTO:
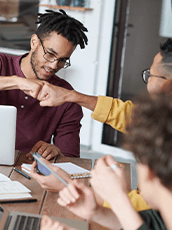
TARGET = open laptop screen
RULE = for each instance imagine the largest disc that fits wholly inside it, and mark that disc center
(8, 115)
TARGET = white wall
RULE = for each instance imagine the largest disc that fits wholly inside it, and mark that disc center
(166, 19)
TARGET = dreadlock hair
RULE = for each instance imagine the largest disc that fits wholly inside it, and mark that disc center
(63, 24)
(166, 52)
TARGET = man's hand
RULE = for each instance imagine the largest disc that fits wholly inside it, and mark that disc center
(49, 224)
(52, 95)
(46, 150)
(79, 199)
(31, 87)
(50, 183)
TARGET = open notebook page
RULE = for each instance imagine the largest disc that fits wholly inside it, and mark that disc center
(12, 189)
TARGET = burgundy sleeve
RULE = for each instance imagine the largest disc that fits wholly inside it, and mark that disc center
(67, 137)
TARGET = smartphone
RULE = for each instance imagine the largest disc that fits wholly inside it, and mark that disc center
(44, 169)
(39, 167)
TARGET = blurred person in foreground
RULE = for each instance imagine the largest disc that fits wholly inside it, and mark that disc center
(49, 224)
(150, 139)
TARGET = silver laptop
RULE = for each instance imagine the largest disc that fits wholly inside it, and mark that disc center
(8, 115)
(27, 221)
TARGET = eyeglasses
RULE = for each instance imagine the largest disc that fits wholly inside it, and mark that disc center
(50, 57)
(146, 74)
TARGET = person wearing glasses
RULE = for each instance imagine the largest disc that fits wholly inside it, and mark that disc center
(23, 77)
(114, 111)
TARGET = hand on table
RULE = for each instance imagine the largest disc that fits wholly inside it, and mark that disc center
(46, 150)
(50, 183)
(49, 224)
(79, 199)
(108, 184)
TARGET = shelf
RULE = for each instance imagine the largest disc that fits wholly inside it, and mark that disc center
(66, 7)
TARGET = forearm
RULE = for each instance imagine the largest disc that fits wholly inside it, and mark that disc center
(106, 218)
(9, 83)
(120, 216)
(86, 101)
(128, 217)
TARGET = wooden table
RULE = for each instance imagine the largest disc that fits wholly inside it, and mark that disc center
(46, 201)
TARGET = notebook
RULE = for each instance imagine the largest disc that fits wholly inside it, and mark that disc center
(19, 220)
(8, 116)
(72, 169)
(12, 190)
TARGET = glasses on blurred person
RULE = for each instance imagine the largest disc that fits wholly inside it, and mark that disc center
(146, 74)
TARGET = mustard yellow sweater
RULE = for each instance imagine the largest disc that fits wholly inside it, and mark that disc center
(114, 112)
(117, 114)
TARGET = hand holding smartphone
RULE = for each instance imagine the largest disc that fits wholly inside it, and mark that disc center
(44, 169)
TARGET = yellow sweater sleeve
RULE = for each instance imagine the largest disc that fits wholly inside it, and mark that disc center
(136, 200)
(114, 112)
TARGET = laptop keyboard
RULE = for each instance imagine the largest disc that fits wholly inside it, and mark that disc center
(27, 223)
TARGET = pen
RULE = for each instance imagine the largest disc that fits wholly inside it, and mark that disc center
(18, 201)
(22, 173)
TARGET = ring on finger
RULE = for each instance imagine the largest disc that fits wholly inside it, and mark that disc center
(114, 166)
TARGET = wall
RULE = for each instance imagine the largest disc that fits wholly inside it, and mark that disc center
(166, 18)
(142, 44)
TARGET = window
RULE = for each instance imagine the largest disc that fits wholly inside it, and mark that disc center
(17, 23)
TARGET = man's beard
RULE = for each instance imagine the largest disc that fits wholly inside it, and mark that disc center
(33, 63)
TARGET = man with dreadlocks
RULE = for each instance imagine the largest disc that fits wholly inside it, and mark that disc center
(22, 78)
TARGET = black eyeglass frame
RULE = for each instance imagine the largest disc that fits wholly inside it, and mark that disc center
(67, 63)
(144, 73)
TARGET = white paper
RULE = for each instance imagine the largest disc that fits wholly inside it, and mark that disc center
(14, 196)
(25, 170)
(71, 168)
(12, 187)
(4, 178)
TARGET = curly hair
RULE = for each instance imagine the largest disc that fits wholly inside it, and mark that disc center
(68, 27)
(149, 135)
(166, 52)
